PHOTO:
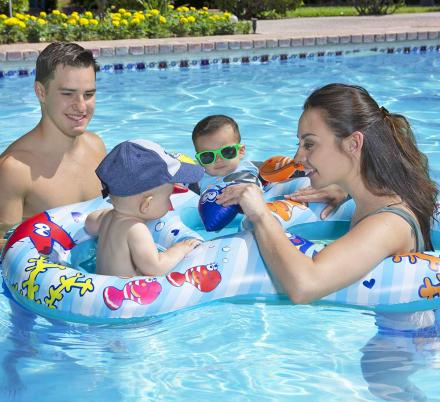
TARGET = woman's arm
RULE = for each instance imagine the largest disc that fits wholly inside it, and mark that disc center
(340, 264)
(332, 195)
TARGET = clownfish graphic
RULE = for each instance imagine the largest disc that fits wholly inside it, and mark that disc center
(204, 277)
(141, 291)
(284, 208)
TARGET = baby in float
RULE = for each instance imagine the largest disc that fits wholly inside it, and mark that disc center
(217, 141)
(139, 177)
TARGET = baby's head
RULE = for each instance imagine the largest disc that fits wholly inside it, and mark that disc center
(139, 176)
(217, 142)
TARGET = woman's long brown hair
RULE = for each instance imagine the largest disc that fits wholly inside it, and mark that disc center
(391, 163)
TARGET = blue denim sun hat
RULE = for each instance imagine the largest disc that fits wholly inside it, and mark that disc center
(135, 166)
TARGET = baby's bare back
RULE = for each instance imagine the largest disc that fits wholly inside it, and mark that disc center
(113, 253)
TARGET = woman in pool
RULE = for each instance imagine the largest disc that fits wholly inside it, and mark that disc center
(345, 138)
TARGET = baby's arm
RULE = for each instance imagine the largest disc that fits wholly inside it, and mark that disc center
(93, 221)
(146, 258)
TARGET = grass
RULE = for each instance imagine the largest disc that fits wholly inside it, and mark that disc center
(350, 11)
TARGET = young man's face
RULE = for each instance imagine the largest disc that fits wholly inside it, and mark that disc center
(68, 101)
(223, 136)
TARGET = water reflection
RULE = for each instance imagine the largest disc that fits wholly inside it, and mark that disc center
(391, 358)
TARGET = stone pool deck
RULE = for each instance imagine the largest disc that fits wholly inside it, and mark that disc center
(270, 34)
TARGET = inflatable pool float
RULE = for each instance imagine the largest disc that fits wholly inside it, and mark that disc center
(48, 265)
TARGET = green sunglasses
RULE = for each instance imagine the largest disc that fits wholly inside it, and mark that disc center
(227, 152)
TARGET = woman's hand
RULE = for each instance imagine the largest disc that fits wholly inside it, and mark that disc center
(248, 196)
(332, 195)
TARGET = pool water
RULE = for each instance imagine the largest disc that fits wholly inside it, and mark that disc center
(230, 350)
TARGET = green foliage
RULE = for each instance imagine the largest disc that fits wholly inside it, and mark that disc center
(18, 6)
(246, 9)
(117, 24)
(377, 7)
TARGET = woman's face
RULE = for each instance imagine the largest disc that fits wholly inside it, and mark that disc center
(320, 151)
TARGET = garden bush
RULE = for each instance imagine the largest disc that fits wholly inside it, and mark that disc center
(246, 9)
(18, 6)
(118, 24)
(377, 7)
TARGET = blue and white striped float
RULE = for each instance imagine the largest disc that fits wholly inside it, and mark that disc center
(48, 266)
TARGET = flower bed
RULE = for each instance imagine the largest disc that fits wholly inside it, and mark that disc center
(118, 24)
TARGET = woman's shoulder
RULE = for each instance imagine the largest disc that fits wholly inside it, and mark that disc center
(388, 228)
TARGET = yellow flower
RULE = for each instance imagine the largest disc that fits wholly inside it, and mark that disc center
(170, 7)
(162, 19)
(116, 16)
(3, 17)
(83, 21)
(40, 21)
(21, 24)
(127, 14)
(135, 21)
(226, 14)
(74, 14)
(43, 14)
(140, 17)
(71, 21)
(191, 19)
(148, 15)
(56, 12)
(94, 21)
(64, 16)
(33, 18)
(115, 23)
(184, 20)
(121, 10)
(64, 25)
(11, 21)
(205, 8)
(124, 22)
(185, 9)
(193, 9)
(88, 14)
(154, 12)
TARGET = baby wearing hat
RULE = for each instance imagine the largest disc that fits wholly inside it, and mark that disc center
(138, 175)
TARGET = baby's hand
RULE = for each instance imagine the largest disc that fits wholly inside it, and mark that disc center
(189, 244)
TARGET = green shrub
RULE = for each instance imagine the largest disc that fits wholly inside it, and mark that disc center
(246, 9)
(18, 6)
(377, 7)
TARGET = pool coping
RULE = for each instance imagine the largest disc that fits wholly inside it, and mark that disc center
(286, 39)
(29, 52)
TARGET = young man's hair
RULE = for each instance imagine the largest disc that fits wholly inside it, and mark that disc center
(64, 53)
(211, 124)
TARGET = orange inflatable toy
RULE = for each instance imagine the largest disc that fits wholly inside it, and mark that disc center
(280, 168)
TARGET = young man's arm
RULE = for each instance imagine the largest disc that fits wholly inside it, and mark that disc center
(14, 184)
(146, 258)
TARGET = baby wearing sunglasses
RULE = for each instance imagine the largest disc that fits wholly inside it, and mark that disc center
(219, 150)
(217, 142)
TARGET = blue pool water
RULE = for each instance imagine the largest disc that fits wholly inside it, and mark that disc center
(233, 351)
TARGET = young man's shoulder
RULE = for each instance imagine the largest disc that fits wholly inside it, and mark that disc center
(93, 142)
(14, 168)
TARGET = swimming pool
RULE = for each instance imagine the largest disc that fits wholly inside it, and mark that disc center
(233, 351)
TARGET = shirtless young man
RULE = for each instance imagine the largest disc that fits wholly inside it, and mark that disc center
(54, 163)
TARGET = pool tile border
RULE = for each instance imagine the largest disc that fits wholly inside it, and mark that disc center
(240, 50)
